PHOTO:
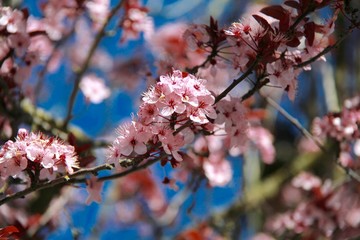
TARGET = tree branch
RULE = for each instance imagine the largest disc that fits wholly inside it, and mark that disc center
(307, 134)
(85, 66)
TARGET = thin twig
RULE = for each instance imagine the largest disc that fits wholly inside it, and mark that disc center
(295, 122)
(86, 63)
(307, 134)
(131, 170)
(69, 179)
(41, 76)
(324, 51)
(61, 180)
(238, 80)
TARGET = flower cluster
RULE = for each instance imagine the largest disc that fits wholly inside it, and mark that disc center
(135, 21)
(15, 42)
(343, 127)
(275, 34)
(98, 10)
(94, 88)
(38, 155)
(171, 49)
(277, 37)
(327, 212)
(175, 99)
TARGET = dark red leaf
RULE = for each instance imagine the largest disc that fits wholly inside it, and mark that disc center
(262, 21)
(166, 180)
(310, 32)
(293, 42)
(8, 231)
(25, 11)
(163, 162)
(84, 161)
(280, 13)
(293, 4)
(276, 11)
(284, 23)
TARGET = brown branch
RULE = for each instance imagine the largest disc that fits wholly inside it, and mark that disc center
(238, 80)
(307, 134)
(323, 52)
(295, 122)
(86, 63)
(131, 170)
(41, 75)
(58, 181)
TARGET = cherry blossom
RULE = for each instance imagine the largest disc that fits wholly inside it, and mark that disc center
(36, 152)
(135, 21)
(94, 188)
(94, 88)
(98, 10)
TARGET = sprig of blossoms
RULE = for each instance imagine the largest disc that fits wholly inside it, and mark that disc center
(173, 101)
(343, 127)
(326, 211)
(36, 154)
(135, 21)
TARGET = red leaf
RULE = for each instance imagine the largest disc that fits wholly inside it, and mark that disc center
(293, 42)
(8, 231)
(310, 32)
(293, 4)
(275, 11)
(25, 11)
(280, 13)
(262, 21)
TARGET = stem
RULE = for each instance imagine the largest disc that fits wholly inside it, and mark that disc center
(324, 51)
(307, 134)
(295, 122)
(238, 80)
(86, 64)
(131, 170)
(61, 180)
(68, 179)
(40, 82)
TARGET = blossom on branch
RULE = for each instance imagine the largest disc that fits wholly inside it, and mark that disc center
(40, 156)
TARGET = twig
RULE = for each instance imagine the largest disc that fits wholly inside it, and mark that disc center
(131, 170)
(41, 75)
(238, 80)
(85, 66)
(323, 52)
(61, 180)
(307, 134)
(295, 122)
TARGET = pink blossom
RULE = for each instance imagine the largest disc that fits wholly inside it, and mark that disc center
(147, 113)
(218, 171)
(306, 181)
(172, 103)
(94, 88)
(19, 42)
(94, 188)
(263, 140)
(204, 110)
(130, 141)
(172, 145)
(13, 20)
(282, 75)
(37, 150)
(135, 21)
(98, 10)
(170, 48)
(4, 48)
(195, 36)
